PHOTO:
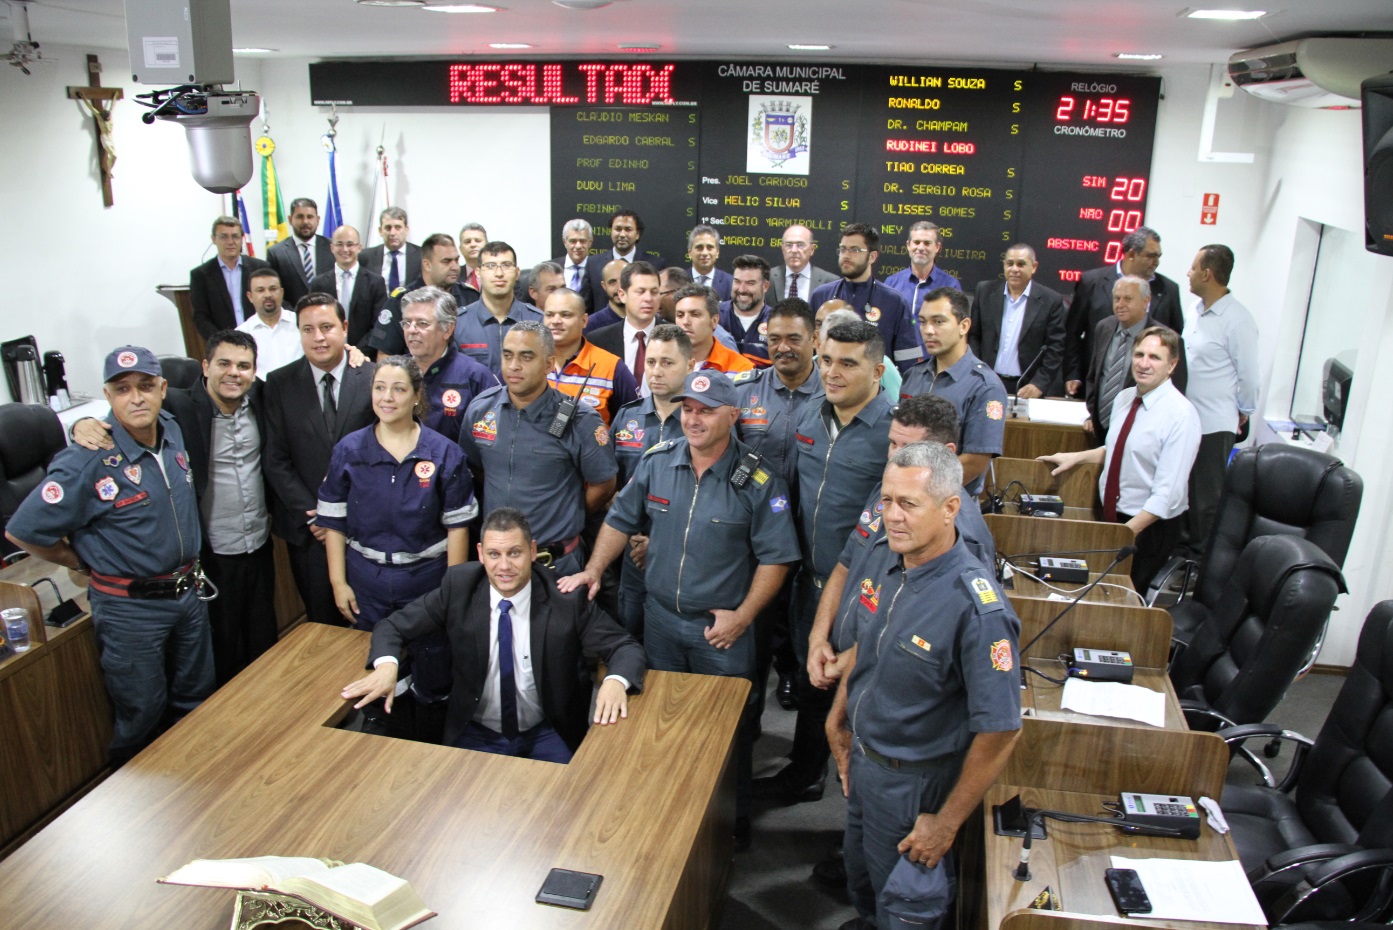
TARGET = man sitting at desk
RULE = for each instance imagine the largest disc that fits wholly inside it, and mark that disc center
(503, 701)
(1152, 441)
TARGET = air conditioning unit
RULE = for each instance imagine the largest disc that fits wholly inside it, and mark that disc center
(1317, 73)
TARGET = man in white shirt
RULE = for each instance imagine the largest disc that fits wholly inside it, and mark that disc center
(1152, 441)
(361, 291)
(506, 700)
(273, 327)
(1221, 352)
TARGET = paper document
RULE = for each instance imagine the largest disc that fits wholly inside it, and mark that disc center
(1114, 699)
(1181, 889)
(1067, 412)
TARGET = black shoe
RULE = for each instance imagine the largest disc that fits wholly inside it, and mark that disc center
(831, 872)
(784, 693)
(777, 788)
(742, 834)
(857, 923)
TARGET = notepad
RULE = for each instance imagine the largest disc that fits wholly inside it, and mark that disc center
(1114, 699)
(1066, 412)
(1183, 889)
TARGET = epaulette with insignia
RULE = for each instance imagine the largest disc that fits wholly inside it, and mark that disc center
(743, 376)
(663, 446)
(984, 596)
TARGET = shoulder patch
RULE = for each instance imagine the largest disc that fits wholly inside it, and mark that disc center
(663, 446)
(743, 376)
(51, 492)
(984, 595)
(995, 410)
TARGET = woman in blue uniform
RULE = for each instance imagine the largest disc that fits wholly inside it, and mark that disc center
(396, 501)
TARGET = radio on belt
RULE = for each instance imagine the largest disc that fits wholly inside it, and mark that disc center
(1101, 665)
(1042, 505)
(1159, 810)
(1074, 570)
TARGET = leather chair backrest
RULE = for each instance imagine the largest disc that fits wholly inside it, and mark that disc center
(181, 372)
(1351, 767)
(1268, 619)
(1275, 489)
(30, 436)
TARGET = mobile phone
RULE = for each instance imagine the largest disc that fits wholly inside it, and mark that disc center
(565, 888)
(1127, 893)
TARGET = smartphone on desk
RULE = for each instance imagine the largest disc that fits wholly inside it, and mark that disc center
(1127, 893)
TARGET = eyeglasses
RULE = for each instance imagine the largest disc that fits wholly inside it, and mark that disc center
(345, 245)
(498, 266)
(851, 250)
(419, 325)
(797, 246)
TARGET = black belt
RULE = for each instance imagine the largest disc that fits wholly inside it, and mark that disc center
(896, 763)
(551, 553)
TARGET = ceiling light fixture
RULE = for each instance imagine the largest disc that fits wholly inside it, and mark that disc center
(1135, 56)
(1231, 15)
(391, 2)
(582, 4)
(460, 8)
(509, 45)
(639, 46)
(810, 48)
(252, 51)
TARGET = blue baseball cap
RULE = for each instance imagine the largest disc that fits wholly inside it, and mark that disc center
(711, 388)
(126, 359)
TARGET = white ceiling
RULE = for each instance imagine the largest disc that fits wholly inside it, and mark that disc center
(1015, 32)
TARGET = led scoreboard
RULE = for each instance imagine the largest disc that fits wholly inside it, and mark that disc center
(1061, 161)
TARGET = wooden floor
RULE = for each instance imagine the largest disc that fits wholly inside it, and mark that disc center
(260, 770)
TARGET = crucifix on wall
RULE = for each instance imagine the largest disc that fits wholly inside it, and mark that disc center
(99, 101)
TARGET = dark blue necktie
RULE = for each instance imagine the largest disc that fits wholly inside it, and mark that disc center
(507, 684)
(394, 276)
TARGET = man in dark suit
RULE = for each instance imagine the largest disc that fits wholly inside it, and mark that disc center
(520, 683)
(1110, 369)
(224, 430)
(397, 260)
(639, 286)
(1024, 318)
(304, 255)
(1141, 253)
(704, 247)
(625, 231)
(798, 248)
(361, 290)
(311, 404)
(213, 283)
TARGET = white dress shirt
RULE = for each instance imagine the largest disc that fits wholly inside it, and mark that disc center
(1160, 451)
(275, 345)
(631, 351)
(387, 264)
(805, 282)
(337, 371)
(1221, 355)
(529, 701)
(345, 286)
(568, 274)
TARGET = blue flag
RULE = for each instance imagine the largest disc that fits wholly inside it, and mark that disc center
(333, 211)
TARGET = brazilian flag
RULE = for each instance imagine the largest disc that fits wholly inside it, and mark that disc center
(272, 202)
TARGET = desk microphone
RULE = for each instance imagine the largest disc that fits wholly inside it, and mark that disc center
(1124, 553)
(1026, 372)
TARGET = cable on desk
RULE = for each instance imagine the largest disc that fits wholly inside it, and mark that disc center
(1058, 590)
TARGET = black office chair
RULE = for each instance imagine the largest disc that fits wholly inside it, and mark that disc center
(1325, 854)
(30, 436)
(1259, 633)
(179, 371)
(1273, 489)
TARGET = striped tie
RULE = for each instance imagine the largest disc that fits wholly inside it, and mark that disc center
(1114, 373)
(309, 262)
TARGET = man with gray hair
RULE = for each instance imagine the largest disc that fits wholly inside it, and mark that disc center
(543, 280)
(704, 247)
(922, 727)
(1110, 369)
(452, 379)
(1141, 253)
(553, 479)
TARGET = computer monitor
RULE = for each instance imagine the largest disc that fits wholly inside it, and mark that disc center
(1335, 391)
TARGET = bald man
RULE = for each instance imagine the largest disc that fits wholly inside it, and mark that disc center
(362, 291)
(797, 272)
(614, 311)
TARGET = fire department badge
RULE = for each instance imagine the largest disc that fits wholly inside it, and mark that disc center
(1001, 656)
(995, 410)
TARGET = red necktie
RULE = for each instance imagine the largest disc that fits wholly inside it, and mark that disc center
(641, 353)
(1112, 489)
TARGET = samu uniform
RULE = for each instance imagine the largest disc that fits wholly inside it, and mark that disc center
(524, 466)
(451, 385)
(935, 665)
(753, 343)
(131, 515)
(978, 395)
(881, 305)
(395, 516)
(637, 428)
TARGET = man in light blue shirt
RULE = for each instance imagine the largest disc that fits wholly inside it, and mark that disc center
(1221, 352)
(923, 274)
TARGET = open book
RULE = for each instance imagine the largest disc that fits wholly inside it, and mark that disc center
(358, 893)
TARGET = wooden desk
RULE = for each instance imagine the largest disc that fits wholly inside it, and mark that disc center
(1044, 697)
(1117, 591)
(1145, 632)
(1071, 862)
(1016, 535)
(1027, 440)
(57, 716)
(258, 769)
(1078, 486)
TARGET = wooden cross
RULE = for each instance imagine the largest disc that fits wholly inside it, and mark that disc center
(99, 101)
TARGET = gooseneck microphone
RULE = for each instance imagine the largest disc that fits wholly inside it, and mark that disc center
(1124, 553)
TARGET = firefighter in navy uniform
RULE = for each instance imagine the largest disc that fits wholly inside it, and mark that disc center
(128, 517)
